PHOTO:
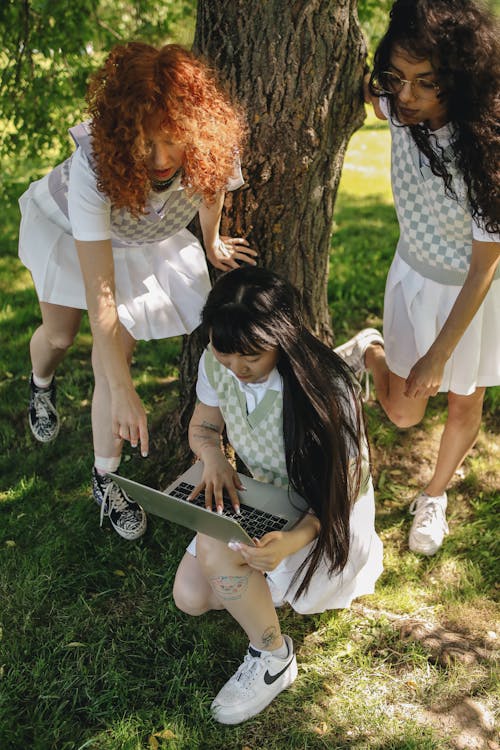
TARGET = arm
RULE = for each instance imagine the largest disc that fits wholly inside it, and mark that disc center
(275, 546)
(205, 430)
(426, 375)
(128, 415)
(222, 254)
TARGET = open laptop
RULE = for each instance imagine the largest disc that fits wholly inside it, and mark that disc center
(264, 507)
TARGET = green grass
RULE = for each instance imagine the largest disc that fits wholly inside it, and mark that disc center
(93, 653)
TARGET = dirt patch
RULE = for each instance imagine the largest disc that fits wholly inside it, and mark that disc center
(468, 725)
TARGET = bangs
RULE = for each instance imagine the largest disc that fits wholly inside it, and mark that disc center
(232, 332)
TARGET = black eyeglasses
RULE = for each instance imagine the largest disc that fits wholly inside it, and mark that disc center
(390, 83)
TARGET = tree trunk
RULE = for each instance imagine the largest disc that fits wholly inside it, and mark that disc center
(296, 67)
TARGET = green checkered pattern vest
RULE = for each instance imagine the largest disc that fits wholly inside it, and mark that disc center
(436, 228)
(257, 438)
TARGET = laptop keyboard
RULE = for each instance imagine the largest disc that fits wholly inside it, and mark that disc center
(255, 522)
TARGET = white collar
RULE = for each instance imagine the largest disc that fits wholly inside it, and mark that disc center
(273, 382)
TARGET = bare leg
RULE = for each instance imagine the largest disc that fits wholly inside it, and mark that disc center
(192, 593)
(459, 435)
(241, 590)
(402, 411)
(105, 444)
(53, 338)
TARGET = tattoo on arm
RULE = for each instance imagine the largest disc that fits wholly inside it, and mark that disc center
(205, 434)
(229, 587)
(210, 426)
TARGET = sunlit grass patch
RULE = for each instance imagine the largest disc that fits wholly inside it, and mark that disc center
(94, 653)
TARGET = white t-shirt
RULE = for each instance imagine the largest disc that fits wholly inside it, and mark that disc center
(89, 209)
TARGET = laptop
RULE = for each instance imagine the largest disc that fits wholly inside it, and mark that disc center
(264, 507)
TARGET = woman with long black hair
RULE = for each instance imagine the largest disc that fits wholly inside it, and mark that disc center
(292, 413)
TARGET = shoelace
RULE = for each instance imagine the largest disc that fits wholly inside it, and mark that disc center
(428, 511)
(113, 500)
(43, 405)
(248, 671)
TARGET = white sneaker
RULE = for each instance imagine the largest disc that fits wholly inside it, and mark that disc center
(429, 526)
(254, 685)
(353, 353)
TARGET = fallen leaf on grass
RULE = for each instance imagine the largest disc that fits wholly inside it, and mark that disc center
(75, 644)
(120, 573)
(329, 689)
(167, 734)
(322, 729)
(10, 543)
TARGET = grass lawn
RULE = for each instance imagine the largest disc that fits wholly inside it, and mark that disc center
(93, 653)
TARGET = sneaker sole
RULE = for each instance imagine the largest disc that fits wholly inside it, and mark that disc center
(428, 551)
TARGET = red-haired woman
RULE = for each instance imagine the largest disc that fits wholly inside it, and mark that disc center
(106, 231)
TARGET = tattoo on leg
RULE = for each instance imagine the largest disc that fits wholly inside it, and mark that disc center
(229, 587)
(269, 636)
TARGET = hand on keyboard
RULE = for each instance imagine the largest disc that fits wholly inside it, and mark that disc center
(218, 475)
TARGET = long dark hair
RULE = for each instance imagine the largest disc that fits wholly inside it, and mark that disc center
(251, 309)
(461, 39)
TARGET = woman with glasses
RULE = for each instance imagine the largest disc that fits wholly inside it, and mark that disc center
(436, 80)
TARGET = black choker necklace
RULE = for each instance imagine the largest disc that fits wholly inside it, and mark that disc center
(160, 185)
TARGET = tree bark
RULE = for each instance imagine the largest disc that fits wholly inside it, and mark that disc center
(296, 67)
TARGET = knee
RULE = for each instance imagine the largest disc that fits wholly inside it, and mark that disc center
(61, 340)
(402, 418)
(186, 601)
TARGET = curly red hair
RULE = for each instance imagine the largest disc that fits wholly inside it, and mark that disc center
(138, 81)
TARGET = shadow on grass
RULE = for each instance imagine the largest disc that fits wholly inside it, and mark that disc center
(94, 652)
(93, 645)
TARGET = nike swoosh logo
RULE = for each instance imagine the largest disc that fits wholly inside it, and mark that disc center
(270, 678)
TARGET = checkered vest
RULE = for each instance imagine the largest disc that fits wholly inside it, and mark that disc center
(435, 229)
(175, 214)
(257, 438)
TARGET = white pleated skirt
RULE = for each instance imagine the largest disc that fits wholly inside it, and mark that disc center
(415, 309)
(161, 286)
(363, 568)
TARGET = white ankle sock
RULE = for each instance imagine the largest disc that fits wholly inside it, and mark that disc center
(281, 652)
(103, 464)
(42, 382)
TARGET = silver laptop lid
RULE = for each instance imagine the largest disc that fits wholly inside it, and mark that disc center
(274, 502)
